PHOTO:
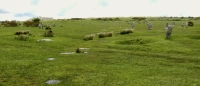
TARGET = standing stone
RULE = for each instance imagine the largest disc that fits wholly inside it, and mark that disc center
(150, 26)
(166, 26)
(186, 24)
(182, 25)
(40, 25)
(169, 31)
(48, 25)
(132, 25)
(54, 25)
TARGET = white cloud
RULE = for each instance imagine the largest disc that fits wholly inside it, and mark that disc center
(25, 9)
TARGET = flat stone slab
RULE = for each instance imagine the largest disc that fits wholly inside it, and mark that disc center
(68, 53)
(52, 81)
(50, 59)
(85, 52)
(84, 48)
(44, 40)
(72, 53)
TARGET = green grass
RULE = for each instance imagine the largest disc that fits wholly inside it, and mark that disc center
(142, 58)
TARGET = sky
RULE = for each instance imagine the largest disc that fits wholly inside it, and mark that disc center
(64, 9)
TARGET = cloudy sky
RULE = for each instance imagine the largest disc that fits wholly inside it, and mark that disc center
(26, 9)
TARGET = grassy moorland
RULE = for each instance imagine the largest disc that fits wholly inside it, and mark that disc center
(142, 58)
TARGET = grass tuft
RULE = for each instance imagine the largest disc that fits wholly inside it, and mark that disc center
(22, 37)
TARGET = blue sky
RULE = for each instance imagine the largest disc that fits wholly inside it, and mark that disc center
(26, 9)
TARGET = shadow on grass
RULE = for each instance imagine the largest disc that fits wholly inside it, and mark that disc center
(135, 41)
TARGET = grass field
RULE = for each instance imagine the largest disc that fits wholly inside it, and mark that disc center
(142, 58)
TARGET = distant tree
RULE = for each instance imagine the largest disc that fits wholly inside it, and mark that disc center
(13, 23)
(9, 23)
(36, 20)
(27, 23)
(34, 23)
(190, 17)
